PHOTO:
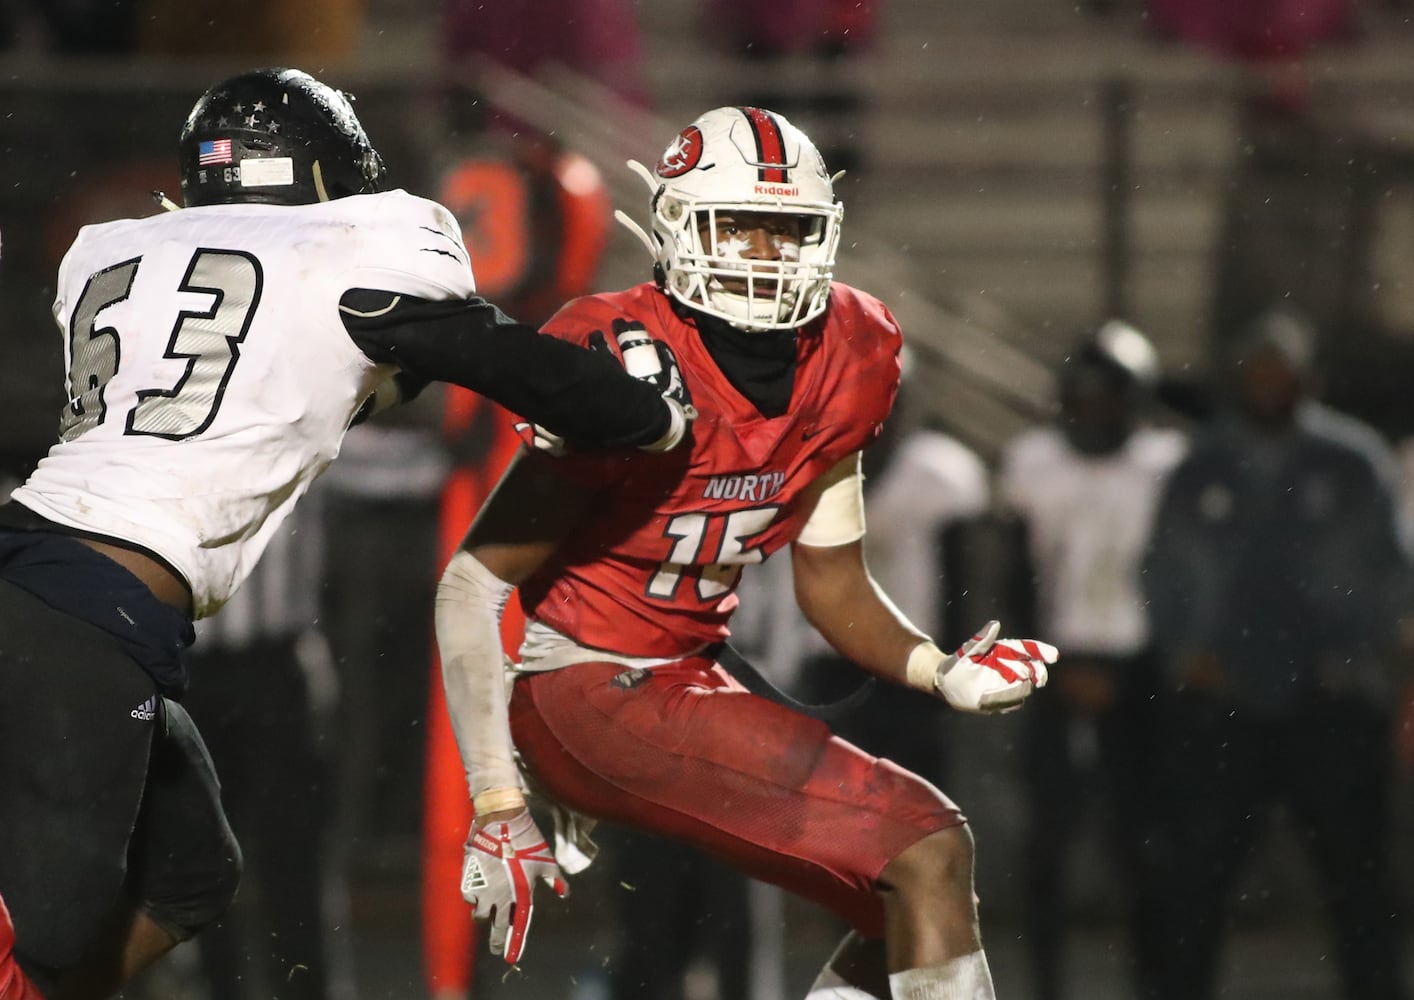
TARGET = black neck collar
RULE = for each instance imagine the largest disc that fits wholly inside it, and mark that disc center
(759, 364)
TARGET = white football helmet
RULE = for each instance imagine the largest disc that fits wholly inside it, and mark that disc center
(733, 161)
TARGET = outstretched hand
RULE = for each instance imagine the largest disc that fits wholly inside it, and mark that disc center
(988, 674)
(502, 861)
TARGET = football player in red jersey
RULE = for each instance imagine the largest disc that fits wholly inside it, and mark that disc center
(627, 569)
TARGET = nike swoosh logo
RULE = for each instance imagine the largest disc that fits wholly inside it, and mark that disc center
(810, 432)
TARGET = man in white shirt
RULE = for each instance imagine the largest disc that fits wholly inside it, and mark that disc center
(1083, 491)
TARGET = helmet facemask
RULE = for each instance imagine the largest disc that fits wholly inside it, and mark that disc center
(744, 219)
(718, 268)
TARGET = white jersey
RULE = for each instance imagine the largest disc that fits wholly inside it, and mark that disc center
(1088, 519)
(210, 378)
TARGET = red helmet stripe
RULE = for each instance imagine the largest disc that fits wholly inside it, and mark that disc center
(770, 144)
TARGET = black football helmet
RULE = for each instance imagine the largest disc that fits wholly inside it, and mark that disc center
(1117, 352)
(275, 136)
(1106, 381)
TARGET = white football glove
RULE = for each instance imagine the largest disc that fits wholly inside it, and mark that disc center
(654, 362)
(502, 862)
(992, 675)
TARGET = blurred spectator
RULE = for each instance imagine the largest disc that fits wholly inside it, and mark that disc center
(263, 691)
(1277, 585)
(1271, 37)
(535, 215)
(1082, 492)
(1257, 29)
(598, 39)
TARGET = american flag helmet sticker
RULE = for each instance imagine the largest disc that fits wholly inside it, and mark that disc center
(213, 151)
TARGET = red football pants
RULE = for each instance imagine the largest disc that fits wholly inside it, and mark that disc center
(684, 751)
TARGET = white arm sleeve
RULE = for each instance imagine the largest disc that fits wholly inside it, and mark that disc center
(838, 517)
(470, 599)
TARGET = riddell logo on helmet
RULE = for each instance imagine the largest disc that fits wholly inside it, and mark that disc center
(785, 190)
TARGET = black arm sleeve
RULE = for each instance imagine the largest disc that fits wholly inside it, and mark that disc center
(583, 396)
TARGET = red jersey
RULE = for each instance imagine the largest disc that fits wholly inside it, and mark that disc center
(653, 571)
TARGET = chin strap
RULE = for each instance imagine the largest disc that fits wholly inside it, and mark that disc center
(319, 182)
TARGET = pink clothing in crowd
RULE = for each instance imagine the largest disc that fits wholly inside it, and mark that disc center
(597, 38)
(1255, 29)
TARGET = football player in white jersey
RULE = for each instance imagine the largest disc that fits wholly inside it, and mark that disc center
(627, 571)
(215, 357)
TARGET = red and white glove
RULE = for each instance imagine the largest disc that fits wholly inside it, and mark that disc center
(502, 862)
(986, 674)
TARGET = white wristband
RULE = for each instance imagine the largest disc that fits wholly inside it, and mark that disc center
(497, 800)
(922, 668)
